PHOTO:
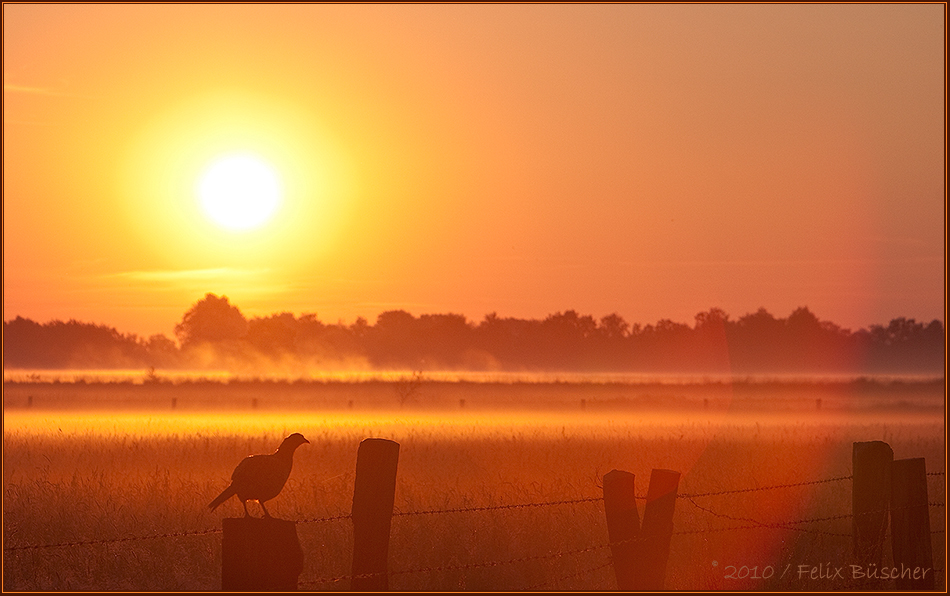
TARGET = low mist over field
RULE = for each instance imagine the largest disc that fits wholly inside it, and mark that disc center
(446, 392)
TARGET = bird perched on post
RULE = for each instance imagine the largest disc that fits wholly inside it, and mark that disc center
(261, 477)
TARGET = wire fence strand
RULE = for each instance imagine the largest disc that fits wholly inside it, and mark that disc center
(113, 540)
(748, 524)
(760, 488)
(311, 520)
(786, 525)
(499, 507)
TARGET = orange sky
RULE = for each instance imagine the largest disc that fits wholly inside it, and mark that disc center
(649, 160)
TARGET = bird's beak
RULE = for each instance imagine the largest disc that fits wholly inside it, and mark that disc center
(306, 441)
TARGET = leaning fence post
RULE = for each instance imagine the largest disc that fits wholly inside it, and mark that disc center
(653, 548)
(870, 496)
(623, 524)
(373, 499)
(260, 554)
(910, 525)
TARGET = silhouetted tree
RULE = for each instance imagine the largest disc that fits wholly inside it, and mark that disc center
(611, 348)
(905, 344)
(393, 341)
(711, 341)
(511, 341)
(274, 335)
(444, 339)
(359, 329)
(566, 339)
(756, 342)
(815, 345)
(211, 319)
(613, 327)
(664, 346)
(162, 352)
(27, 344)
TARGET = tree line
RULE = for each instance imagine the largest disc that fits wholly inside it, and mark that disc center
(214, 333)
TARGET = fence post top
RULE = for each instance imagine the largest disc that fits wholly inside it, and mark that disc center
(378, 440)
(857, 446)
(662, 483)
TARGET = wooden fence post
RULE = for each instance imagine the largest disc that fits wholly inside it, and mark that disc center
(260, 554)
(870, 497)
(623, 524)
(910, 525)
(653, 548)
(373, 499)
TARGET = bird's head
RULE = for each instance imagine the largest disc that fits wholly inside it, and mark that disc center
(292, 442)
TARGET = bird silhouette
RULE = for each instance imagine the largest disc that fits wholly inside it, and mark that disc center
(261, 477)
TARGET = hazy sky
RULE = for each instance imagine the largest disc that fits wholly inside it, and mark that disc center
(649, 160)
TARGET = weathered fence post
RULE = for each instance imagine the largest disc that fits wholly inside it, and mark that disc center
(653, 548)
(260, 554)
(910, 525)
(870, 496)
(623, 524)
(373, 499)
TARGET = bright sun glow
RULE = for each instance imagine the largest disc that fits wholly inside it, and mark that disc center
(239, 192)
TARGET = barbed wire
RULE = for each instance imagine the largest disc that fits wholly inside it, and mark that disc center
(500, 507)
(113, 540)
(333, 580)
(182, 534)
(772, 487)
(786, 525)
(688, 496)
(325, 519)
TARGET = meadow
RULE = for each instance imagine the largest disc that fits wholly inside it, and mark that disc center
(127, 469)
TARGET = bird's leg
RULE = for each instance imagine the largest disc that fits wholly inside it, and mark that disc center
(266, 514)
(246, 512)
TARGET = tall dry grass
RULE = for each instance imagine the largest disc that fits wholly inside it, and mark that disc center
(72, 476)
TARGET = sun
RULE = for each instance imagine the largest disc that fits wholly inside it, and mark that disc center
(239, 191)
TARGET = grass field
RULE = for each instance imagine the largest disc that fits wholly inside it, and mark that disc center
(115, 464)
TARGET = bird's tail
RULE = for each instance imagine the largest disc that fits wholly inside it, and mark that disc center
(224, 496)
